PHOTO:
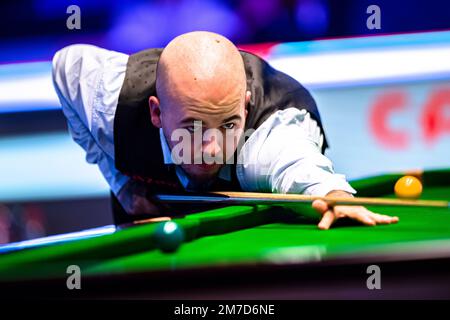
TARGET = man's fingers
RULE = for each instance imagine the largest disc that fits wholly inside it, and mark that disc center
(383, 219)
(327, 215)
(356, 213)
(327, 220)
(141, 205)
(320, 206)
(380, 218)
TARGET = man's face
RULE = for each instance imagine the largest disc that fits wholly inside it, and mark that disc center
(205, 135)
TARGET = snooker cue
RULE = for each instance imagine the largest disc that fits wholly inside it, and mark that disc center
(256, 198)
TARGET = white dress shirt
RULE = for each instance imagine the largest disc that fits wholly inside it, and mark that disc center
(283, 154)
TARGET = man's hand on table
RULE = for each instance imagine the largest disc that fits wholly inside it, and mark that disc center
(133, 198)
(359, 213)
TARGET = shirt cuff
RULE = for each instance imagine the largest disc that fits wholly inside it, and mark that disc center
(335, 182)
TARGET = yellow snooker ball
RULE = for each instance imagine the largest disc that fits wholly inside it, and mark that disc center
(408, 187)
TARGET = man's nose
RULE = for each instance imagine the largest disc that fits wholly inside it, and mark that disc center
(212, 147)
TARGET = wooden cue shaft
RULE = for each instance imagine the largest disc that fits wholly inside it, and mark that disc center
(236, 198)
(337, 200)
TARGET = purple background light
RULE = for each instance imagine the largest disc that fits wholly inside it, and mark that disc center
(312, 17)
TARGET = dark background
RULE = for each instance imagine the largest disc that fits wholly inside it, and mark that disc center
(29, 29)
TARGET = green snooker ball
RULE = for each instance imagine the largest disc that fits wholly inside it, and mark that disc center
(168, 236)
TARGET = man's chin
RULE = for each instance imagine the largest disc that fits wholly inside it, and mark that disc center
(203, 172)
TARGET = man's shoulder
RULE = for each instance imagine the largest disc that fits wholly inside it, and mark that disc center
(78, 50)
(147, 54)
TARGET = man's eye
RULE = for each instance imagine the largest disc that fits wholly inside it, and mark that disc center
(194, 128)
(228, 126)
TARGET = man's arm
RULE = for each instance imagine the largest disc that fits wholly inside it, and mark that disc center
(88, 80)
(284, 156)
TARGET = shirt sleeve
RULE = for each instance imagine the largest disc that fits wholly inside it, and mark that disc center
(87, 80)
(283, 156)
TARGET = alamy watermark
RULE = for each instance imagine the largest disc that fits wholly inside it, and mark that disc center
(193, 146)
(374, 20)
(74, 20)
(374, 280)
(73, 281)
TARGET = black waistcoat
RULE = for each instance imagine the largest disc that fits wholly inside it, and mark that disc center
(138, 152)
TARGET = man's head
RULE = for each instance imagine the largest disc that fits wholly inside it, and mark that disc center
(201, 77)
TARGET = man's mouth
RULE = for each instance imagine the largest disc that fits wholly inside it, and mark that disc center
(207, 167)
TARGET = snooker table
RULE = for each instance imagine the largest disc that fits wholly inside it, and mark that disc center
(253, 252)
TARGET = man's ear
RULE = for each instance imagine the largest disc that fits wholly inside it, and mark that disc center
(248, 96)
(155, 111)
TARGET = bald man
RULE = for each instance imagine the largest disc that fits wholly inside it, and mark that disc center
(197, 115)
